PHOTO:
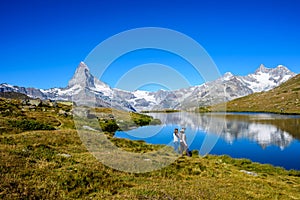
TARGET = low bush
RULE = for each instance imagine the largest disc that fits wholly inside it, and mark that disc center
(28, 125)
(109, 125)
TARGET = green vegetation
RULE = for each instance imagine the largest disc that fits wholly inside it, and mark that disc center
(109, 125)
(54, 164)
(140, 119)
(26, 125)
(284, 99)
(17, 116)
(204, 109)
(34, 166)
(111, 120)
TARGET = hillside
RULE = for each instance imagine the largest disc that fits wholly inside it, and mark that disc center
(14, 95)
(282, 99)
(42, 157)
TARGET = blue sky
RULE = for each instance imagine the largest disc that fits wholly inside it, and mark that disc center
(42, 42)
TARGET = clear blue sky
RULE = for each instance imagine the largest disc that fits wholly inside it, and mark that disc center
(43, 41)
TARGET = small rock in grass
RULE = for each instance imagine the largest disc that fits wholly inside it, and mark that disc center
(64, 155)
(249, 173)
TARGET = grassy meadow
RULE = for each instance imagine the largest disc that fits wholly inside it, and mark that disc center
(42, 157)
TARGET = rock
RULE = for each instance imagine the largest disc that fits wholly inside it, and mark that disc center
(62, 112)
(89, 128)
(64, 155)
(31, 107)
(47, 103)
(25, 102)
(249, 173)
(35, 102)
(54, 104)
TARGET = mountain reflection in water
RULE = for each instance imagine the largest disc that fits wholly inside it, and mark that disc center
(261, 137)
(264, 129)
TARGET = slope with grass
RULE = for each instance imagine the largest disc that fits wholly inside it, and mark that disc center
(14, 95)
(54, 164)
(282, 99)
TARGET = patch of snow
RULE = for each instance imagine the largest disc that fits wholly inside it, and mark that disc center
(140, 94)
(285, 78)
(259, 82)
(227, 76)
(102, 87)
(7, 85)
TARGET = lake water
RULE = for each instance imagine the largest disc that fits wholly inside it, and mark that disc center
(260, 137)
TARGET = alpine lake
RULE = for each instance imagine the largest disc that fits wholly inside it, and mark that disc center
(261, 137)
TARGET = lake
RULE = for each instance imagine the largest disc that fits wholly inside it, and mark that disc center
(260, 137)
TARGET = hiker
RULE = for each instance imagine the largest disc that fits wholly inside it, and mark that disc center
(176, 140)
(183, 143)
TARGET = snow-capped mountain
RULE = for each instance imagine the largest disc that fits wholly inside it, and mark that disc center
(85, 89)
(225, 88)
(266, 78)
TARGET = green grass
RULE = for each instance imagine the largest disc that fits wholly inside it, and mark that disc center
(112, 120)
(32, 168)
(25, 125)
(34, 165)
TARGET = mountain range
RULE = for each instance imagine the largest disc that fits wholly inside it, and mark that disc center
(282, 99)
(85, 89)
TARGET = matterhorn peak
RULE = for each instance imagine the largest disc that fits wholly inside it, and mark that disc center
(82, 65)
(82, 76)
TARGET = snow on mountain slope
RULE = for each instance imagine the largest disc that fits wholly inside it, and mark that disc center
(83, 89)
(227, 87)
(86, 89)
(148, 96)
(266, 78)
(85, 79)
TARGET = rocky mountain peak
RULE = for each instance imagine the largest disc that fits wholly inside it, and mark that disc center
(282, 68)
(82, 77)
(83, 84)
(262, 69)
(227, 76)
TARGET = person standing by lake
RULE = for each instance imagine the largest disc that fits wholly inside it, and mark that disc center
(183, 143)
(176, 140)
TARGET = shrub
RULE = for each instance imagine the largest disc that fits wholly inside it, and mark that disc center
(109, 125)
(140, 119)
(27, 125)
